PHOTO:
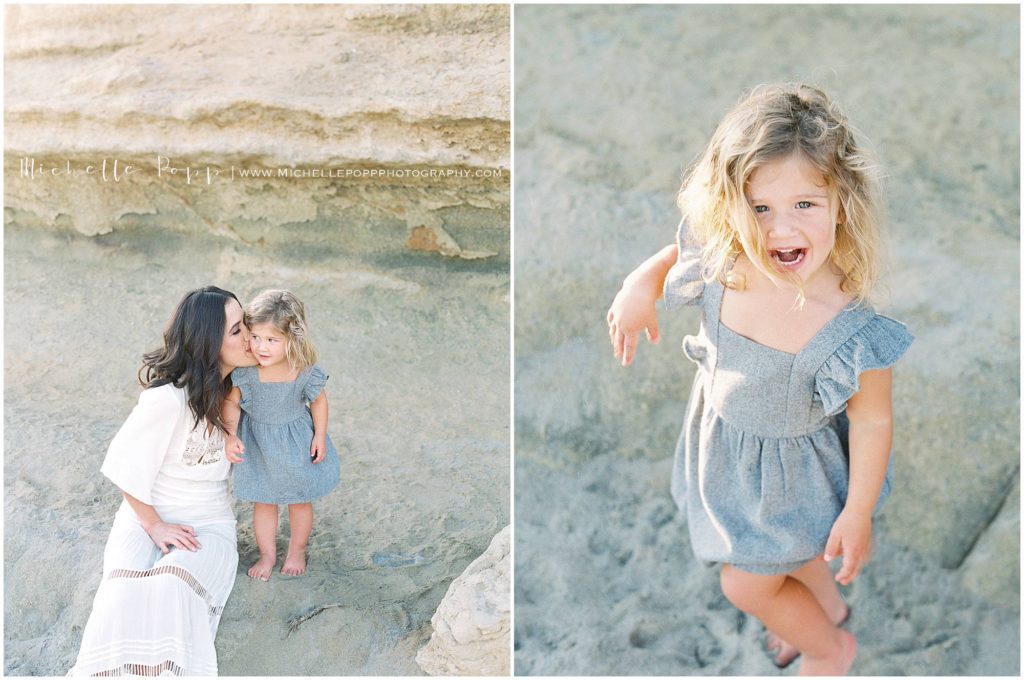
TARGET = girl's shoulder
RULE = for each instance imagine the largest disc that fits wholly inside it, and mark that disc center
(881, 337)
(869, 340)
(313, 374)
(876, 342)
(313, 379)
(244, 376)
(684, 283)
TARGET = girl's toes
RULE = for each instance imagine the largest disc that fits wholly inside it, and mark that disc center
(261, 570)
(781, 653)
(294, 565)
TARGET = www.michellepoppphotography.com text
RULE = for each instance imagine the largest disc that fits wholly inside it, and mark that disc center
(117, 170)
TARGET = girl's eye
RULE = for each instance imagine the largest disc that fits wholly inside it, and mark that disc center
(804, 204)
(760, 208)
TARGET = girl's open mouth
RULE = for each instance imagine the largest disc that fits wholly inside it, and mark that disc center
(788, 258)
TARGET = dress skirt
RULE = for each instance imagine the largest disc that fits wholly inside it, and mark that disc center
(157, 614)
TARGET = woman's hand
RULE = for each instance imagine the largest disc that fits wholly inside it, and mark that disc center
(233, 448)
(633, 310)
(851, 538)
(318, 449)
(166, 536)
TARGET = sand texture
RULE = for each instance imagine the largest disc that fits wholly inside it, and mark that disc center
(415, 339)
(612, 104)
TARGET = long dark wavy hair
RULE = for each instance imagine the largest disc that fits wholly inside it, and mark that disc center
(190, 357)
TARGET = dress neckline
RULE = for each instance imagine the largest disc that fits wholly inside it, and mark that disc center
(275, 382)
(810, 342)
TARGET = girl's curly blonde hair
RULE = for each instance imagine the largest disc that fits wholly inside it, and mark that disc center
(769, 124)
(287, 314)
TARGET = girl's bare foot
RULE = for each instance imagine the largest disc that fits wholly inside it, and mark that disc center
(263, 567)
(783, 653)
(837, 664)
(294, 563)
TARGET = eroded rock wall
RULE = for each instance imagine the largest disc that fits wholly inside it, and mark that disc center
(225, 114)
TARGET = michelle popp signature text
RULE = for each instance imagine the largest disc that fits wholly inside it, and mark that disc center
(117, 170)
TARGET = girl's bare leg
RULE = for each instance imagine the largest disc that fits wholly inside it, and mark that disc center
(787, 606)
(300, 516)
(264, 526)
(818, 578)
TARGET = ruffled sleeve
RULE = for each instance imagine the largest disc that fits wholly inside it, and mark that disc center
(315, 381)
(684, 284)
(243, 378)
(139, 447)
(878, 344)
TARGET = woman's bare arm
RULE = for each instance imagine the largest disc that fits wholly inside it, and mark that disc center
(164, 535)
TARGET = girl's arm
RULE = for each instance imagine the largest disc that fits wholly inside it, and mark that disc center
(164, 535)
(870, 415)
(633, 308)
(230, 413)
(318, 409)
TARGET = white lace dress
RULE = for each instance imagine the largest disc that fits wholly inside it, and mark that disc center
(157, 614)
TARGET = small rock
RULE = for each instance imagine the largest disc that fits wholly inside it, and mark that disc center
(472, 623)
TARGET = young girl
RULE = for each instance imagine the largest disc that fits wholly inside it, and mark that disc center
(289, 455)
(784, 455)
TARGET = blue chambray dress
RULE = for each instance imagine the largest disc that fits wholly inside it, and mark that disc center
(277, 430)
(762, 464)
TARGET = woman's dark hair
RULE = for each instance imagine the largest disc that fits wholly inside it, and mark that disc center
(190, 357)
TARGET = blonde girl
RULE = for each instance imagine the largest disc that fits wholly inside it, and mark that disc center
(288, 455)
(784, 455)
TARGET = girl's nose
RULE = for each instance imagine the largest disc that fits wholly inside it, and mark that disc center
(780, 229)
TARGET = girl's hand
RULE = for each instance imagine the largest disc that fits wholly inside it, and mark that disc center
(166, 536)
(632, 311)
(318, 449)
(233, 448)
(851, 538)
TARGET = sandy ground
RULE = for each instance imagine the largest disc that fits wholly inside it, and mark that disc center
(417, 348)
(612, 104)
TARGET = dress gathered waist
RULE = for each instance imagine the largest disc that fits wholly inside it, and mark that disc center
(278, 422)
(827, 423)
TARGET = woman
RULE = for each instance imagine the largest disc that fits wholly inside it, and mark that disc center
(171, 558)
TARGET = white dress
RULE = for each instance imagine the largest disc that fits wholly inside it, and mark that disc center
(157, 614)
